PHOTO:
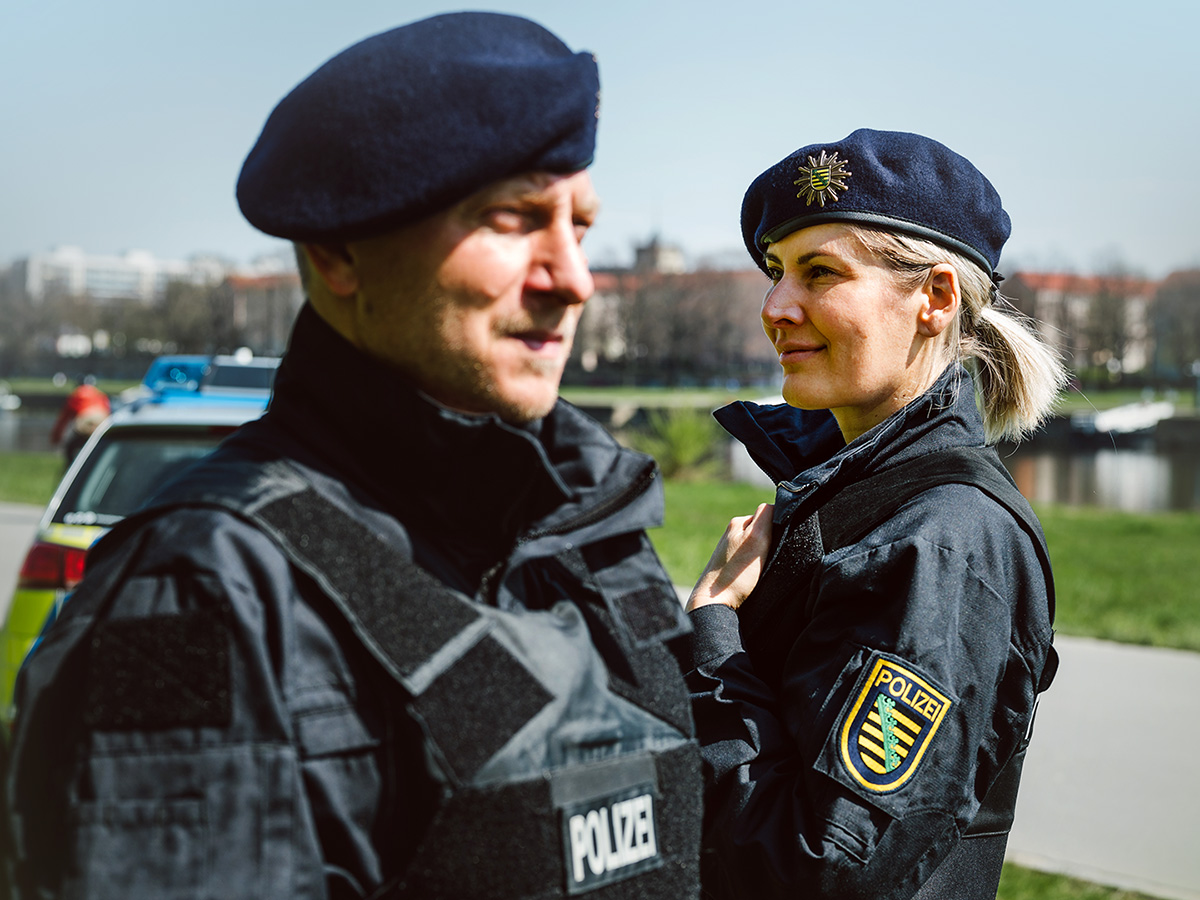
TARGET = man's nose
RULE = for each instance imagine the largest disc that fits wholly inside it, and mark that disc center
(561, 266)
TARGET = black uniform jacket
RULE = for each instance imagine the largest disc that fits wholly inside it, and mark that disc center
(317, 780)
(938, 621)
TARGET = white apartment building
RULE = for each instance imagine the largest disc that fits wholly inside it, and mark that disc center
(136, 274)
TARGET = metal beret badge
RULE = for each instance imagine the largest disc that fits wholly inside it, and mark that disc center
(822, 177)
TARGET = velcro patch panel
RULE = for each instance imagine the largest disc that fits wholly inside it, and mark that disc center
(409, 621)
(478, 704)
(166, 671)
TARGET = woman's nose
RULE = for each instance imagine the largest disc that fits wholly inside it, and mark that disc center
(781, 305)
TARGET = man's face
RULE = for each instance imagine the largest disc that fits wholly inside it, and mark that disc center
(478, 304)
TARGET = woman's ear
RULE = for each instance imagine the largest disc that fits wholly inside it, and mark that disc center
(941, 298)
(334, 265)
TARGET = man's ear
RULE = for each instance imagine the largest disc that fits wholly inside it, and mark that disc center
(942, 296)
(334, 265)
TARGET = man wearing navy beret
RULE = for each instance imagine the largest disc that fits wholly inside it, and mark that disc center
(405, 635)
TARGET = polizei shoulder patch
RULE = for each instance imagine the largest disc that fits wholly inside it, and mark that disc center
(890, 723)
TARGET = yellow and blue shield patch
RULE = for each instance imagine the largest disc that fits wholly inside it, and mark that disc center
(890, 724)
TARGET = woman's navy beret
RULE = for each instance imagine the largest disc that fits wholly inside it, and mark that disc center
(889, 179)
(408, 122)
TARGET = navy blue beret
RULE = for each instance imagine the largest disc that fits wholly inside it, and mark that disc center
(889, 179)
(410, 121)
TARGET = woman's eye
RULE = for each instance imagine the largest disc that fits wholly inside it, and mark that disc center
(774, 274)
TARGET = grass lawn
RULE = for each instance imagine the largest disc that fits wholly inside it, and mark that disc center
(1124, 576)
(29, 477)
(697, 513)
(1093, 399)
(22, 386)
(1017, 883)
(704, 398)
(1119, 576)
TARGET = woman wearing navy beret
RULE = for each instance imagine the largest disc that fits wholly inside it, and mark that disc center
(865, 704)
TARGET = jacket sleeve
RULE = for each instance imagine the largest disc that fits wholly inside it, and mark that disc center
(807, 789)
(166, 742)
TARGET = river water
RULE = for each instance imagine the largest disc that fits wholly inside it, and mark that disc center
(1139, 478)
(28, 432)
(1134, 479)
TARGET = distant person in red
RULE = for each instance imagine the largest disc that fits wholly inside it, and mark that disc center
(85, 408)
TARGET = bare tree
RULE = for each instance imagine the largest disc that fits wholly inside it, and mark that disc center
(1176, 324)
(1106, 328)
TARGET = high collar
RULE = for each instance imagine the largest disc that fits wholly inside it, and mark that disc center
(805, 447)
(473, 478)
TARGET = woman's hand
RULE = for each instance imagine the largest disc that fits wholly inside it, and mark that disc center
(737, 562)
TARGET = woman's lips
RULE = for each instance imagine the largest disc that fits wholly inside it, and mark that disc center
(797, 354)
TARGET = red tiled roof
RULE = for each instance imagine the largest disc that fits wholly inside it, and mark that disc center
(1087, 285)
(609, 281)
(263, 282)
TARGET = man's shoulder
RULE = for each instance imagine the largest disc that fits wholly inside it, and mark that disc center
(236, 477)
(186, 540)
(232, 508)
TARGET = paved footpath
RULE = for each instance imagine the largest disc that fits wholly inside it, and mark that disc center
(17, 526)
(1111, 789)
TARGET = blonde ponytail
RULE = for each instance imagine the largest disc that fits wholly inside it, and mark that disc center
(1017, 374)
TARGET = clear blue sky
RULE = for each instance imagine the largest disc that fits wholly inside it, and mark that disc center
(125, 122)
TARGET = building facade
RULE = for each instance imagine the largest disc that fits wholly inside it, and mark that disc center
(136, 275)
(261, 309)
(1095, 321)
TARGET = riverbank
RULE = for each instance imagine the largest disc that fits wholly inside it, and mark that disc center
(1121, 576)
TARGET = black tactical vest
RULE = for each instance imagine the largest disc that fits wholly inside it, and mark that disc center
(560, 773)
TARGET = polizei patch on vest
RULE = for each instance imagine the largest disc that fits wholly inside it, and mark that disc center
(610, 838)
(892, 718)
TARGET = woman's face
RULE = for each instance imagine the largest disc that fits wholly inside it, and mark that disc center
(850, 338)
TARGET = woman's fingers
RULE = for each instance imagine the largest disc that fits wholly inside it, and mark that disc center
(737, 562)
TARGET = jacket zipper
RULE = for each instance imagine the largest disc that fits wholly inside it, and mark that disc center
(491, 579)
(598, 512)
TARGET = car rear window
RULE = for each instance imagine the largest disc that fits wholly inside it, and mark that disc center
(240, 377)
(126, 467)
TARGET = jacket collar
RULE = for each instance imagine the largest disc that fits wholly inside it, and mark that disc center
(800, 448)
(475, 478)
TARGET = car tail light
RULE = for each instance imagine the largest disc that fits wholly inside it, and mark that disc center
(52, 566)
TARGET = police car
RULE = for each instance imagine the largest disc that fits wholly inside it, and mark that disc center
(130, 455)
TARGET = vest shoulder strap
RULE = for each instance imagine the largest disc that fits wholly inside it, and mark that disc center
(858, 508)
